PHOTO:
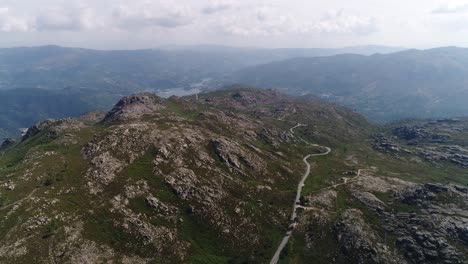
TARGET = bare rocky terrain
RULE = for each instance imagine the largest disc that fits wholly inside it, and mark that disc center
(438, 141)
(211, 179)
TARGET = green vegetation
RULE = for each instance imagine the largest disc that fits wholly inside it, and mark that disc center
(178, 109)
(210, 214)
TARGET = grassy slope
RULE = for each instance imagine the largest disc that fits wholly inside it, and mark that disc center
(329, 169)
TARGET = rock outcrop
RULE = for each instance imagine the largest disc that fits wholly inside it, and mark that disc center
(53, 128)
(359, 242)
(135, 106)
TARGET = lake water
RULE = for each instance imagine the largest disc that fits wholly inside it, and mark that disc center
(178, 92)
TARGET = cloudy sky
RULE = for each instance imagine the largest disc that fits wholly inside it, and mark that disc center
(130, 24)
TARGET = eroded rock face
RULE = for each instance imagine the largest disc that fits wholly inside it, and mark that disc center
(184, 182)
(105, 168)
(53, 128)
(425, 247)
(435, 231)
(110, 154)
(370, 200)
(161, 207)
(77, 249)
(410, 133)
(436, 141)
(135, 106)
(358, 240)
(235, 156)
(397, 222)
(371, 183)
(385, 144)
(453, 154)
(323, 200)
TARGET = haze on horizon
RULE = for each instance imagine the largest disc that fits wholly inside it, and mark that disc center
(124, 24)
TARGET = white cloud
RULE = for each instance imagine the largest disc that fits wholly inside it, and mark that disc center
(338, 22)
(452, 7)
(230, 17)
(127, 17)
(263, 21)
(150, 14)
(12, 23)
(58, 19)
(216, 6)
(279, 23)
(267, 21)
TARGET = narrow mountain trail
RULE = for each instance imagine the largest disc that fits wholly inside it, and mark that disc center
(346, 181)
(19, 201)
(50, 253)
(294, 127)
(296, 205)
(300, 186)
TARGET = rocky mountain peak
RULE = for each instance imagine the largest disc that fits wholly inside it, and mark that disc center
(52, 127)
(135, 106)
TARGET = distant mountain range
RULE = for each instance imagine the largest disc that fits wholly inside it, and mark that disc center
(381, 85)
(384, 87)
(53, 81)
(124, 71)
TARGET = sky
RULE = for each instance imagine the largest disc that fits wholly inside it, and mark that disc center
(135, 24)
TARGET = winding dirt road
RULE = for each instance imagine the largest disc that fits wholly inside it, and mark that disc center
(301, 184)
(294, 127)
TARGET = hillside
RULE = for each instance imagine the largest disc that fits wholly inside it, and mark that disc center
(212, 179)
(383, 87)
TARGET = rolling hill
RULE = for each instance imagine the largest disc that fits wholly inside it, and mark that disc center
(383, 87)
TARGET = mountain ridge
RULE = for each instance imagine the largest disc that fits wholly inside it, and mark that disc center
(212, 178)
(384, 87)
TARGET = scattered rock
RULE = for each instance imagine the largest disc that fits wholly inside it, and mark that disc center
(359, 242)
(53, 128)
(325, 199)
(384, 144)
(135, 106)
(10, 186)
(370, 200)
